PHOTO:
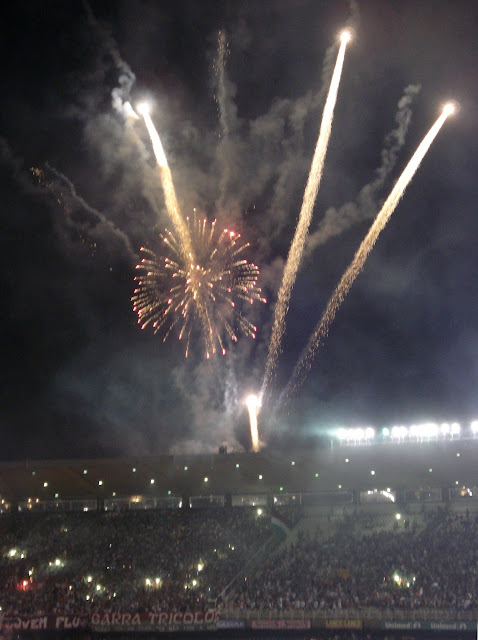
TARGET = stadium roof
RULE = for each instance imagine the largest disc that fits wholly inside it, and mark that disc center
(365, 467)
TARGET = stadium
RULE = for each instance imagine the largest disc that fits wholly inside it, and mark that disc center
(369, 537)
(217, 173)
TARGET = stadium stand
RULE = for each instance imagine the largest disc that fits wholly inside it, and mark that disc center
(284, 557)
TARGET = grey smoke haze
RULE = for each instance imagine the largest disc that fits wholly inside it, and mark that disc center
(74, 207)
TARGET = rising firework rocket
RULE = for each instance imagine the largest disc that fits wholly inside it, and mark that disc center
(253, 405)
(305, 216)
(172, 205)
(356, 266)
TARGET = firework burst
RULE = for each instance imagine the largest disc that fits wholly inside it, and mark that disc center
(203, 295)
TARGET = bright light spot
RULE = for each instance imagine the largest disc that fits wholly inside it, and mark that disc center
(85, 471)
(152, 480)
(134, 469)
(57, 562)
(372, 473)
(385, 431)
(388, 495)
(206, 479)
(148, 582)
(455, 428)
(449, 108)
(143, 108)
(158, 581)
(195, 583)
(356, 434)
(100, 483)
(89, 579)
(398, 516)
(185, 468)
(200, 566)
(237, 466)
(260, 476)
(259, 512)
(253, 404)
(98, 587)
(12, 553)
(345, 36)
(293, 463)
(458, 455)
(45, 484)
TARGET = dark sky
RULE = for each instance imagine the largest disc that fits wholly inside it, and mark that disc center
(78, 376)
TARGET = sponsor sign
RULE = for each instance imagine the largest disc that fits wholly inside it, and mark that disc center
(343, 623)
(430, 625)
(280, 624)
(230, 624)
(164, 621)
(43, 623)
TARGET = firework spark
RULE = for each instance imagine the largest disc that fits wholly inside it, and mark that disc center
(356, 266)
(305, 216)
(204, 296)
(172, 205)
(253, 404)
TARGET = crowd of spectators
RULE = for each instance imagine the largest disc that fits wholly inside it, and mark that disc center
(181, 560)
(143, 561)
(433, 566)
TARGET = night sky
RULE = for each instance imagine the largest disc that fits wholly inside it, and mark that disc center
(80, 194)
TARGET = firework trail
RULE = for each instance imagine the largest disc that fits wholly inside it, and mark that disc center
(252, 402)
(297, 246)
(172, 206)
(171, 291)
(219, 68)
(95, 224)
(348, 278)
(335, 221)
(180, 227)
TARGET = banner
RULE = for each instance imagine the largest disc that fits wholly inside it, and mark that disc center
(280, 624)
(230, 624)
(343, 623)
(429, 625)
(164, 621)
(44, 623)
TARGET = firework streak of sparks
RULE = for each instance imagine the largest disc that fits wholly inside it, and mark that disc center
(253, 404)
(305, 216)
(172, 292)
(356, 266)
(172, 205)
